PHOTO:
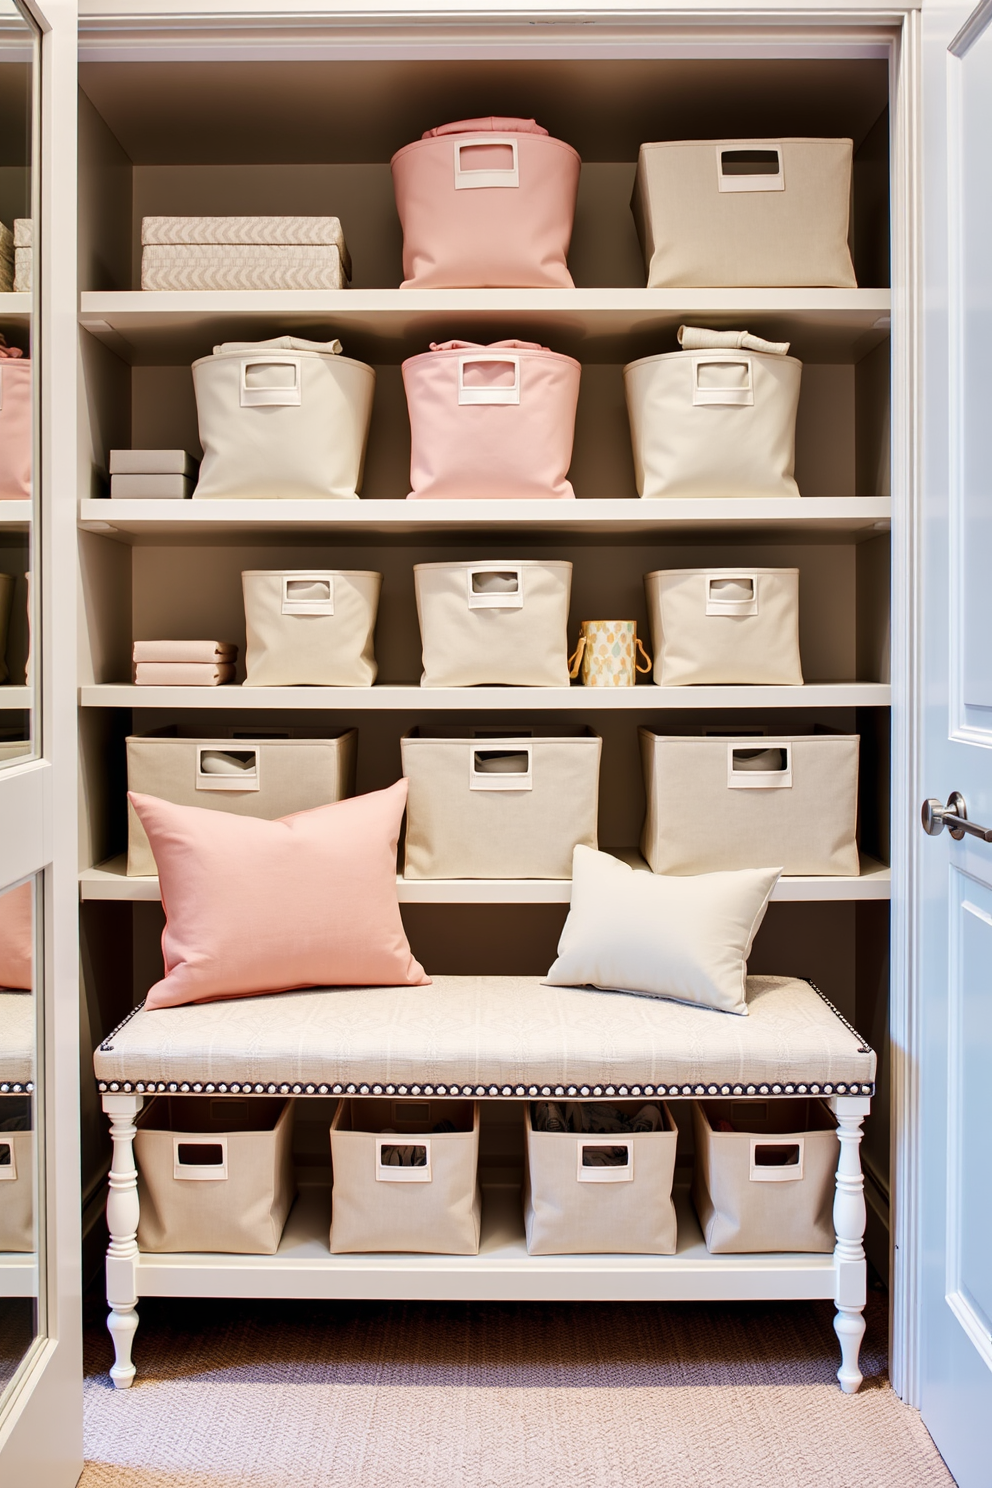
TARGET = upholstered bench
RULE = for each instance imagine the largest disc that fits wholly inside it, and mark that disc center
(17, 1040)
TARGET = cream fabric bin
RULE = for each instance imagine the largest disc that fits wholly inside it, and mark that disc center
(571, 1208)
(713, 423)
(214, 1173)
(498, 622)
(769, 1183)
(17, 1164)
(745, 802)
(250, 776)
(282, 418)
(376, 1205)
(510, 805)
(720, 626)
(310, 627)
(745, 213)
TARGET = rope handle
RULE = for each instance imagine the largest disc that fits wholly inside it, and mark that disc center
(575, 660)
(648, 663)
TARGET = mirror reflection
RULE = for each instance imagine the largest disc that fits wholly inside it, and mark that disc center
(19, 1169)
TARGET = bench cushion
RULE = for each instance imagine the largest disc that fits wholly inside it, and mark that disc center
(17, 1033)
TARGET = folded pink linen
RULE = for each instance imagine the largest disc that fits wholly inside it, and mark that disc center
(182, 674)
(202, 651)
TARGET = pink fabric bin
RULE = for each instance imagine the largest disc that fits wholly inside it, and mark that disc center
(15, 429)
(491, 421)
(486, 204)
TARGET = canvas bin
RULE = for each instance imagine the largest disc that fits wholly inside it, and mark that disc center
(733, 802)
(252, 773)
(285, 418)
(17, 1162)
(725, 626)
(16, 428)
(491, 422)
(400, 1184)
(502, 621)
(719, 422)
(310, 627)
(499, 804)
(745, 213)
(486, 203)
(572, 1207)
(768, 1184)
(215, 1173)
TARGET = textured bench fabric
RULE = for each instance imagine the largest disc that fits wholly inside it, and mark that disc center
(509, 1036)
(16, 1040)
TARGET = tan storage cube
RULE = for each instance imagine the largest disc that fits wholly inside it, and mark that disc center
(745, 802)
(214, 1173)
(509, 805)
(248, 775)
(714, 423)
(498, 622)
(725, 626)
(310, 627)
(767, 1184)
(400, 1184)
(573, 1206)
(17, 1164)
(745, 212)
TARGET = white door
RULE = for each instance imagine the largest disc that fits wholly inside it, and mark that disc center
(955, 926)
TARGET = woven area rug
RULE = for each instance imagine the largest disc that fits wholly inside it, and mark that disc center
(416, 1395)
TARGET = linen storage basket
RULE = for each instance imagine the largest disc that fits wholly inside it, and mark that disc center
(745, 212)
(215, 1173)
(248, 775)
(400, 1182)
(499, 805)
(713, 423)
(574, 1207)
(486, 203)
(6, 600)
(768, 1183)
(17, 1161)
(725, 626)
(282, 418)
(742, 802)
(16, 427)
(492, 421)
(310, 627)
(497, 622)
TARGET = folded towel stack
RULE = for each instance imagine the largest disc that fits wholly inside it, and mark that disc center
(243, 253)
(23, 255)
(151, 474)
(184, 663)
(6, 259)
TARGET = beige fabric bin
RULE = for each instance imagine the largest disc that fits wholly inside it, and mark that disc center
(745, 213)
(713, 423)
(310, 627)
(720, 626)
(509, 805)
(571, 1208)
(377, 1205)
(496, 622)
(250, 775)
(282, 418)
(769, 1183)
(17, 1165)
(745, 802)
(214, 1173)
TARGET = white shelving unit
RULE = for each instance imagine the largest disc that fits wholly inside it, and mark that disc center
(14, 697)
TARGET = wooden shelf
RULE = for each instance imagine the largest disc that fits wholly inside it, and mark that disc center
(15, 697)
(15, 516)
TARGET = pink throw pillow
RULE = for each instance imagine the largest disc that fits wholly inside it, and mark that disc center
(264, 906)
(17, 937)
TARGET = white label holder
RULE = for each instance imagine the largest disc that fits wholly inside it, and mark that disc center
(244, 780)
(8, 1170)
(199, 1172)
(474, 180)
(507, 599)
(717, 606)
(620, 1173)
(509, 780)
(272, 396)
(292, 606)
(387, 1173)
(776, 1172)
(489, 395)
(762, 181)
(722, 396)
(759, 779)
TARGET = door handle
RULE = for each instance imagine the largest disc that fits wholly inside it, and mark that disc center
(953, 816)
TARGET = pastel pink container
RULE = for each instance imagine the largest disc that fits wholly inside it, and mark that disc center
(491, 422)
(486, 204)
(15, 429)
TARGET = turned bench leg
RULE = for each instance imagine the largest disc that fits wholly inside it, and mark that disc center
(122, 1222)
(849, 1223)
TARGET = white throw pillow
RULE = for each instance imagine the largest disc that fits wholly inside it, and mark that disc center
(629, 930)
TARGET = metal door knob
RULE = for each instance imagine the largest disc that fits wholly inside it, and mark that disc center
(953, 816)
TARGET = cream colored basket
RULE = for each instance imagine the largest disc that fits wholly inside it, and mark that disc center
(401, 1185)
(310, 627)
(719, 422)
(250, 776)
(721, 626)
(769, 1183)
(497, 622)
(574, 1207)
(744, 802)
(510, 805)
(215, 1173)
(17, 1164)
(745, 212)
(282, 419)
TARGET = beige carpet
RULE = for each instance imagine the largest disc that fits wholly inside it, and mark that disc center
(365, 1395)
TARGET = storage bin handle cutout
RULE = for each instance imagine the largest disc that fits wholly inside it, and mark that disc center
(500, 769)
(767, 768)
(8, 1163)
(754, 169)
(472, 180)
(717, 381)
(592, 1172)
(494, 586)
(416, 1171)
(308, 594)
(735, 594)
(776, 1160)
(262, 386)
(488, 395)
(226, 769)
(199, 1158)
